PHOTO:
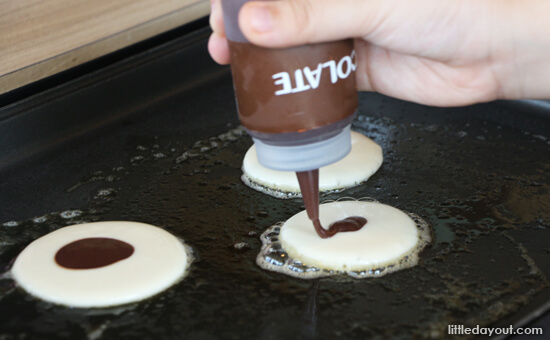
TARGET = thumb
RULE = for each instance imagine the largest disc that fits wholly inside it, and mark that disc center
(287, 23)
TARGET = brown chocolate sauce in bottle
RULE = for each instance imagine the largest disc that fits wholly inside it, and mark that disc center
(297, 104)
(309, 185)
(93, 252)
(293, 89)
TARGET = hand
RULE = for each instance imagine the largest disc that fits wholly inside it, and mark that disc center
(435, 52)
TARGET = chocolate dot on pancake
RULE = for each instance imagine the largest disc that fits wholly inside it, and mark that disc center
(101, 264)
(93, 252)
(358, 166)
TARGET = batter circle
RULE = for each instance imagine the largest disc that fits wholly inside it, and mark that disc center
(158, 261)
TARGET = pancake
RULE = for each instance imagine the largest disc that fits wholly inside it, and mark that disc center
(390, 241)
(361, 163)
(101, 264)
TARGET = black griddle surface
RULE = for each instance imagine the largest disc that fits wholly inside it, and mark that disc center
(168, 152)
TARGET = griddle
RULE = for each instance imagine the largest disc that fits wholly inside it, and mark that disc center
(155, 138)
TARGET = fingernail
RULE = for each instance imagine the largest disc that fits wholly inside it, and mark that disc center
(261, 20)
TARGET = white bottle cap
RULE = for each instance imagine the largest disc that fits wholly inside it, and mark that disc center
(304, 157)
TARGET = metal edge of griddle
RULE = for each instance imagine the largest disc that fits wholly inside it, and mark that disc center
(40, 123)
(536, 113)
(538, 315)
(528, 115)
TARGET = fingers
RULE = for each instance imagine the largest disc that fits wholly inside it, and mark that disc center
(290, 23)
(216, 17)
(218, 49)
(217, 44)
(416, 27)
(363, 73)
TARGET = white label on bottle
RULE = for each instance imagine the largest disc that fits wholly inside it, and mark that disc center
(282, 78)
(312, 79)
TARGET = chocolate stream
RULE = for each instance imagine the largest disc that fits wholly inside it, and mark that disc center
(309, 185)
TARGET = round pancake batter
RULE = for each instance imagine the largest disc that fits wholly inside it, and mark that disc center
(364, 159)
(101, 264)
(390, 241)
